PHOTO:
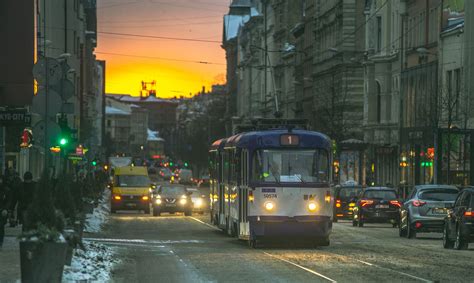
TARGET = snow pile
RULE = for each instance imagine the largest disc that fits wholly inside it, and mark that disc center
(93, 264)
(99, 216)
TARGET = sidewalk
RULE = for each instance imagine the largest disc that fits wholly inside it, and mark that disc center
(10, 256)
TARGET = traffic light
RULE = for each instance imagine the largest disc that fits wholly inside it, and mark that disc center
(171, 164)
(185, 164)
(94, 162)
(63, 141)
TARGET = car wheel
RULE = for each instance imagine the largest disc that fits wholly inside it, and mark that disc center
(323, 242)
(402, 232)
(447, 243)
(188, 213)
(411, 233)
(460, 243)
(360, 223)
(156, 212)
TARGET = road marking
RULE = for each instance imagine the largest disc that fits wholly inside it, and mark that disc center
(202, 222)
(301, 267)
(142, 241)
(396, 271)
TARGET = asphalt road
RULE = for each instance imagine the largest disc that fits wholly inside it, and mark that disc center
(175, 248)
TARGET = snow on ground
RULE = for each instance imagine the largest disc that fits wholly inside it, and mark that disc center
(100, 215)
(93, 264)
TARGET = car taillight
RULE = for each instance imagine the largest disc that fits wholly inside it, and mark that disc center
(395, 203)
(338, 203)
(418, 203)
(469, 213)
(145, 197)
(117, 197)
(366, 202)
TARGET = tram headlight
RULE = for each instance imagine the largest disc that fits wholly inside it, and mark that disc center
(312, 206)
(269, 206)
(198, 203)
(183, 201)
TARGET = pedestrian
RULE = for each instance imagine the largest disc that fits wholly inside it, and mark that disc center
(25, 196)
(3, 210)
(13, 188)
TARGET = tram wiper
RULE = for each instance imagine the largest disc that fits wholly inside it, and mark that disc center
(300, 178)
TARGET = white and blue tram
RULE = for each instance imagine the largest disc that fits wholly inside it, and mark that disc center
(273, 184)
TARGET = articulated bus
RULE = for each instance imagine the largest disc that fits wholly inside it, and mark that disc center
(273, 184)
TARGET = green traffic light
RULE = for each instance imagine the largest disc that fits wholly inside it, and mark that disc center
(63, 141)
(171, 163)
(94, 163)
(186, 164)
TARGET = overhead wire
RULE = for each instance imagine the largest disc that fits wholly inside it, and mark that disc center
(159, 58)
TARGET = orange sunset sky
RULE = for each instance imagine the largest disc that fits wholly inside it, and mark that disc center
(145, 60)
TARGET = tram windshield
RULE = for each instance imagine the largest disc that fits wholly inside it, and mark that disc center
(290, 166)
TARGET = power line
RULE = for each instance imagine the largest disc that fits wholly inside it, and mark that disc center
(159, 20)
(159, 37)
(159, 58)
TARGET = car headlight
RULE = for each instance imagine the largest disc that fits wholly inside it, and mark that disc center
(158, 196)
(198, 203)
(312, 206)
(269, 206)
(158, 201)
(183, 201)
(183, 196)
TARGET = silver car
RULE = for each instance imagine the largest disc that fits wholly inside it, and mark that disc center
(425, 209)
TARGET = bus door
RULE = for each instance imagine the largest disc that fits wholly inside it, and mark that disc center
(244, 197)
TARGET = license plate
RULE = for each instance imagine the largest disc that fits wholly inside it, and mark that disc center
(381, 206)
(439, 210)
(170, 205)
(131, 204)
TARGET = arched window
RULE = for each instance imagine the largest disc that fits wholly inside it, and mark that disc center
(379, 102)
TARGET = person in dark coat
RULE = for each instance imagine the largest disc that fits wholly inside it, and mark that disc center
(3, 210)
(25, 196)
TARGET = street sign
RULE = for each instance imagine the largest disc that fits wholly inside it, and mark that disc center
(54, 103)
(14, 117)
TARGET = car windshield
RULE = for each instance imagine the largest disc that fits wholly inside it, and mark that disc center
(133, 181)
(380, 194)
(172, 190)
(439, 195)
(290, 166)
(349, 193)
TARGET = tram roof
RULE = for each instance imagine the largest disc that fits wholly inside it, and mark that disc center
(271, 138)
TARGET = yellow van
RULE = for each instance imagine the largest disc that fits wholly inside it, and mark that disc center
(131, 188)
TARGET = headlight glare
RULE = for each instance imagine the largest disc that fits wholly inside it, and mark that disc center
(158, 201)
(269, 206)
(312, 206)
(183, 201)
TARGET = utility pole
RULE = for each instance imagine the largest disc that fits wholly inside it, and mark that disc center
(45, 117)
(266, 53)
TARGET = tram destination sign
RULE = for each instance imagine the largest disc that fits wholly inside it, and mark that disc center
(12, 117)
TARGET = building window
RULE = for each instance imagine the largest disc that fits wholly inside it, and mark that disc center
(379, 102)
(457, 92)
(379, 34)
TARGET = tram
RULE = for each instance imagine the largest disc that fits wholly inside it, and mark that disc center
(273, 184)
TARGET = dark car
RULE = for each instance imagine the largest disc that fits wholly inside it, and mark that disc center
(200, 199)
(425, 209)
(345, 198)
(377, 205)
(172, 198)
(458, 229)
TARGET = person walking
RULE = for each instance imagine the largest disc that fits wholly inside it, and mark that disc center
(3, 209)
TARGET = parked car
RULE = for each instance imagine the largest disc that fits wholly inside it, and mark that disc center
(425, 209)
(377, 205)
(200, 199)
(345, 198)
(458, 229)
(172, 198)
